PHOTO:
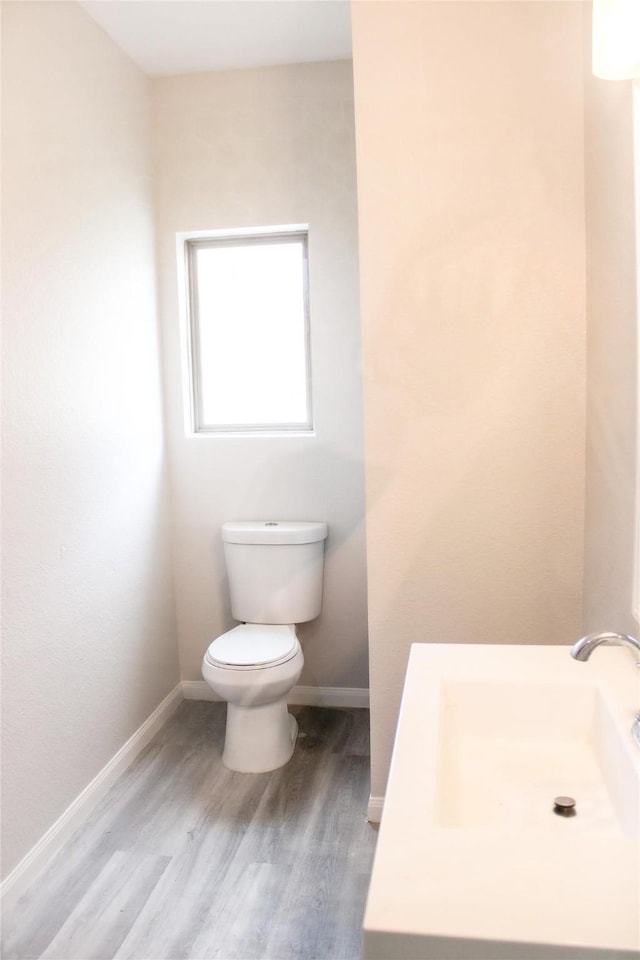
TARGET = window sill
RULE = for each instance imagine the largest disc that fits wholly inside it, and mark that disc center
(251, 435)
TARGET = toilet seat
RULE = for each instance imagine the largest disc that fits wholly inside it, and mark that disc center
(253, 646)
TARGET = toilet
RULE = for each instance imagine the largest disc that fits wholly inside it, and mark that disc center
(275, 571)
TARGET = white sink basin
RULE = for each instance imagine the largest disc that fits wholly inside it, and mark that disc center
(472, 861)
(506, 750)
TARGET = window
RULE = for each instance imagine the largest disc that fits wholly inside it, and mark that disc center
(249, 332)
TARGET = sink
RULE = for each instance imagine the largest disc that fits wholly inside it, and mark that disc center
(506, 751)
(472, 861)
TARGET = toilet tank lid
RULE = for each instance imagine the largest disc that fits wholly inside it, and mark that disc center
(274, 531)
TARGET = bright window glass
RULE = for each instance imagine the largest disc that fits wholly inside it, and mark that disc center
(250, 333)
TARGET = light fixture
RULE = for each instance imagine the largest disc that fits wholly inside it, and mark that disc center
(616, 39)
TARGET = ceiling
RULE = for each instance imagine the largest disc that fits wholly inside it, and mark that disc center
(168, 37)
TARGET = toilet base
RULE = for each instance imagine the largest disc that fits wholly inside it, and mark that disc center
(259, 738)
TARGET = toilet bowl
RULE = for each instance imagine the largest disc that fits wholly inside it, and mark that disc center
(275, 571)
(253, 667)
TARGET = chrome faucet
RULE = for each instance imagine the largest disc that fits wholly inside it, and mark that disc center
(583, 648)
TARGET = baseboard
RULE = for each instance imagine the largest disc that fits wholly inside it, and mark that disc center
(21, 876)
(329, 696)
(198, 690)
(301, 696)
(374, 809)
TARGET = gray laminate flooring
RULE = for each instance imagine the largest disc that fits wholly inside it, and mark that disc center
(185, 859)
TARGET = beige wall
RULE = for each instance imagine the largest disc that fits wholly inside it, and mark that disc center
(471, 204)
(611, 354)
(252, 148)
(88, 638)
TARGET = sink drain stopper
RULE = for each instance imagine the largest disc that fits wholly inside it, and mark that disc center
(564, 806)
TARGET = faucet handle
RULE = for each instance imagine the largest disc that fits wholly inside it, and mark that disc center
(635, 726)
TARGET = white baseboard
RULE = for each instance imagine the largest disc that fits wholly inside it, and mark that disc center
(374, 809)
(329, 696)
(16, 882)
(198, 690)
(301, 696)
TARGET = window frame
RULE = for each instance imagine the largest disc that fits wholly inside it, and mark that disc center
(193, 242)
(635, 105)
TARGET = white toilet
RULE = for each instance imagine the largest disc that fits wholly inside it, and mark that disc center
(275, 577)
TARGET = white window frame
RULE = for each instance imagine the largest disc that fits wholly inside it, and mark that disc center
(187, 244)
(635, 593)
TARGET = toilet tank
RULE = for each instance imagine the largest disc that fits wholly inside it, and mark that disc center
(275, 569)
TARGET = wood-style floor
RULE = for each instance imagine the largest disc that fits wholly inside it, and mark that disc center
(185, 859)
